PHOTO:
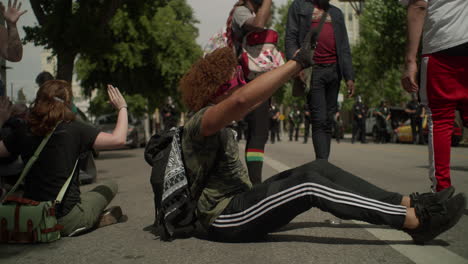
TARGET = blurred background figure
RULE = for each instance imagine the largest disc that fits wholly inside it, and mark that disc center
(274, 123)
(295, 121)
(170, 114)
(338, 130)
(383, 116)
(359, 121)
(416, 113)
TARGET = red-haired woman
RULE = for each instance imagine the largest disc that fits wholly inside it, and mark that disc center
(70, 139)
(251, 16)
(231, 209)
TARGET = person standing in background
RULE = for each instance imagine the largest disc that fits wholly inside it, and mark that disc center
(245, 17)
(332, 63)
(444, 82)
(359, 121)
(416, 113)
(170, 114)
(274, 123)
(383, 116)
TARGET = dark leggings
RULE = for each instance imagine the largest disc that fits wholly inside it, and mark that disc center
(269, 206)
(257, 136)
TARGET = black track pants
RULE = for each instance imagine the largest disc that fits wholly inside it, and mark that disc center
(270, 205)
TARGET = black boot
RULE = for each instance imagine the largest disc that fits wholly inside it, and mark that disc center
(426, 199)
(437, 218)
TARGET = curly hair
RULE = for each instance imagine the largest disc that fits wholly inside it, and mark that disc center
(205, 76)
(52, 104)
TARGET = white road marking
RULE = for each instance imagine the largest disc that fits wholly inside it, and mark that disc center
(428, 254)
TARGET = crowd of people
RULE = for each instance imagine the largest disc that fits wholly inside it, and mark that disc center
(233, 203)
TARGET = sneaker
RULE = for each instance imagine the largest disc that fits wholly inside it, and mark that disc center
(426, 199)
(110, 216)
(437, 218)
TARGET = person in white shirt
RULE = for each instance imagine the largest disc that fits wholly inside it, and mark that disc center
(443, 86)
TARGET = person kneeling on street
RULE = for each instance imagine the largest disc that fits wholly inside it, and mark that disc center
(231, 209)
(70, 138)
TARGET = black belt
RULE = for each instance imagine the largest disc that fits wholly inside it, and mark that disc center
(324, 65)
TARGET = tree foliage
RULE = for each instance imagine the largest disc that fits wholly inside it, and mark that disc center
(378, 56)
(137, 104)
(71, 27)
(284, 94)
(152, 47)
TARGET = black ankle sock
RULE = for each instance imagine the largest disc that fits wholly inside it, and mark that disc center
(255, 171)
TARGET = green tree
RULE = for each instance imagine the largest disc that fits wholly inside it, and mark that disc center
(153, 46)
(137, 104)
(378, 56)
(284, 94)
(70, 28)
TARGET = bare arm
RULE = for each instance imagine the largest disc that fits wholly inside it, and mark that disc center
(118, 137)
(415, 19)
(258, 22)
(11, 47)
(236, 106)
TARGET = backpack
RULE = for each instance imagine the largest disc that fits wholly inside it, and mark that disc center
(174, 205)
(259, 53)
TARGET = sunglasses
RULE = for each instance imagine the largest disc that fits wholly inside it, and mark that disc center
(237, 80)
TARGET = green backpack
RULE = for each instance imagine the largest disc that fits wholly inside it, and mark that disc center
(26, 221)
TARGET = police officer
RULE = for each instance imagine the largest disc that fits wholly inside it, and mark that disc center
(295, 121)
(416, 113)
(359, 121)
(170, 114)
(274, 123)
(383, 116)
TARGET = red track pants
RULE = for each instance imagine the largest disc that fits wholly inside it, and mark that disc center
(444, 89)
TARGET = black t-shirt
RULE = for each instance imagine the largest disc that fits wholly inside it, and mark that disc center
(55, 163)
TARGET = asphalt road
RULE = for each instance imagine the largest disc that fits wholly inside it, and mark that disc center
(310, 238)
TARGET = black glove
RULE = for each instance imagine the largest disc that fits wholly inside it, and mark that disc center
(305, 55)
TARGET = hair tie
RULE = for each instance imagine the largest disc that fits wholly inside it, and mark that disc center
(59, 99)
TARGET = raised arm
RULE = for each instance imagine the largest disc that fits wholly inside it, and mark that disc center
(237, 105)
(261, 18)
(416, 14)
(11, 47)
(118, 137)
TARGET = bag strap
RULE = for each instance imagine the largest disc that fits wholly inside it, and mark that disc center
(317, 30)
(31, 162)
(67, 183)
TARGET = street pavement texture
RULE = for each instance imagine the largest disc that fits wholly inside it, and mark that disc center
(312, 237)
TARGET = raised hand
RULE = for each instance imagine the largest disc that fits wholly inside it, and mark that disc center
(304, 56)
(116, 98)
(13, 13)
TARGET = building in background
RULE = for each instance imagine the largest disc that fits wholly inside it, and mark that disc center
(351, 19)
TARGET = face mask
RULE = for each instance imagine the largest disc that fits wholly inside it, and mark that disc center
(237, 80)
